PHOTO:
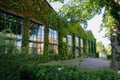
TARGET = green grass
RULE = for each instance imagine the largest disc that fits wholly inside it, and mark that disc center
(63, 62)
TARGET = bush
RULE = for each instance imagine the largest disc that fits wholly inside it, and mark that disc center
(6, 45)
(70, 56)
(55, 57)
(11, 65)
(60, 72)
(39, 59)
(109, 56)
(11, 59)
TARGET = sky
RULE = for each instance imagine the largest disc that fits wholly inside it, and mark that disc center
(93, 25)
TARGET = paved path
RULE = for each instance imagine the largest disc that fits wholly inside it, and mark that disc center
(92, 63)
(95, 63)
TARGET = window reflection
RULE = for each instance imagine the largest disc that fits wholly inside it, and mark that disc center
(81, 42)
(77, 47)
(13, 26)
(82, 45)
(36, 38)
(70, 43)
(70, 40)
(53, 40)
(77, 41)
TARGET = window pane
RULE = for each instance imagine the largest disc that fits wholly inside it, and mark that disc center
(36, 38)
(81, 42)
(2, 21)
(77, 41)
(53, 49)
(70, 50)
(14, 24)
(53, 40)
(53, 36)
(70, 40)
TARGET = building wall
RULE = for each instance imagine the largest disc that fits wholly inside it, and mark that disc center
(40, 30)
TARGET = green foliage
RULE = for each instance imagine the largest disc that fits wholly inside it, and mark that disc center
(100, 47)
(25, 43)
(7, 46)
(11, 65)
(46, 47)
(59, 72)
(10, 58)
(109, 56)
(71, 56)
(38, 11)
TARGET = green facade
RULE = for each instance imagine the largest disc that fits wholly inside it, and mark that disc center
(42, 31)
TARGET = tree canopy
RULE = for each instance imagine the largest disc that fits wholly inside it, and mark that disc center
(100, 47)
(83, 10)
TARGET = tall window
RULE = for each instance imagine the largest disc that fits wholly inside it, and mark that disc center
(82, 45)
(36, 38)
(53, 40)
(70, 43)
(77, 46)
(13, 24)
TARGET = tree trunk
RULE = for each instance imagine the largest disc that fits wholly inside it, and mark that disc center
(114, 64)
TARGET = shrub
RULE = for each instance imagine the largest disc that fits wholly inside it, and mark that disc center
(11, 65)
(54, 57)
(39, 59)
(70, 56)
(60, 72)
(11, 59)
(109, 56)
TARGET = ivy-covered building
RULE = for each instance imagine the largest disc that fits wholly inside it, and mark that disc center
(35, 27)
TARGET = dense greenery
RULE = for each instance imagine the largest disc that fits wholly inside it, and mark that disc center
(25, 67)
(100, 47)
(43, 72)
(83, 10)
(52, 20)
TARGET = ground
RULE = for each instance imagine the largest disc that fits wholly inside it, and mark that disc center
(91, 63)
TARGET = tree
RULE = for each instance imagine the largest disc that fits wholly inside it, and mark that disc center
(83, 10)
(100, 47)
(108, 49)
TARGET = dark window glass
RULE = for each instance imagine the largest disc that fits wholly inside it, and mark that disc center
(13, 26)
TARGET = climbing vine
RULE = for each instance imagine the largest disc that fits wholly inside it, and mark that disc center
(42, 11)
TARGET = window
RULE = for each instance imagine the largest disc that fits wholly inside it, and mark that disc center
(64, 39)
(77, 41)
(70, 40)
(82, 45)
(13, 25)
(70, 43)
(77, 47)
(53, 40)
(36, 38)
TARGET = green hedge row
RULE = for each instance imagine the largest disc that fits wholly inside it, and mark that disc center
(19, 67)
(43, 72)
